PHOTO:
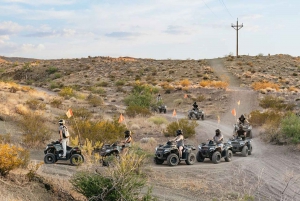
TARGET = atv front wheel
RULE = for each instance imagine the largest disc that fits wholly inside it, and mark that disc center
(202, 117)
(190, 159)
(250, 150)
(49, 158)
(245, 151)
(76, 159)
(199, 157)
(172, 160)
(158, 161)
(229, 156)
(216, 157)
(165, 111)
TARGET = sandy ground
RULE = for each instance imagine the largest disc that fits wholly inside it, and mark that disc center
(270, 173)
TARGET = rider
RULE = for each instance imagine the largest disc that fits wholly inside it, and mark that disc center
(241, 132)
(179, 139)
(158, 98)
(195, 106)
(242, 120)
(62, 137)
(218, 138)
(128, 138)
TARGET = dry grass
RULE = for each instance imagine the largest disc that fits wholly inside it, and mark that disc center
(265, 85)
(214, 84)
(185, 83)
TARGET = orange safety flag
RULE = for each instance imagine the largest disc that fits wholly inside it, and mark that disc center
(121, 118)
(239, 102)
(69, 113)
(233, 112)
(174, 113)
(185, 95)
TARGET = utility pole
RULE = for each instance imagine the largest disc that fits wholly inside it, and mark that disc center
(237, 27)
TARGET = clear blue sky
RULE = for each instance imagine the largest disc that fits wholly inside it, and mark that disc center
(159, 29)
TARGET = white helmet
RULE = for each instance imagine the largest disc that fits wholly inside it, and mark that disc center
(62, 122)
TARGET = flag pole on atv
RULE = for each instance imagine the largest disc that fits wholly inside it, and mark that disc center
(175, 115)
(121, 119)
(69, 114)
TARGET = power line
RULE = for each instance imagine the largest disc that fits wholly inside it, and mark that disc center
(209, 8)
(222, 2)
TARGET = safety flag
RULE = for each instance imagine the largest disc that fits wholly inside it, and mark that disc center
(174, 113)
(218, 119)
(185, 96)
(233, 112)
(69, 113)
(121, 118)
(239, 102)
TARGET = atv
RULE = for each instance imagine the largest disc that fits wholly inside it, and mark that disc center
(54, 152)
(160, 108)
(169, 152)
(196, 114)
(109, 150)
(241, 144)
(246, 127)
(212, 151)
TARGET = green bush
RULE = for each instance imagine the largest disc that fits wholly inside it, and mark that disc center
(141, 95)
(52, 70)
(258, 118)
(35, 131)
(67, 92)
(188, 128)
(135, 110)
(158, 120)
(95, 101)
(275, 103)
(120, 83)
(290, 126)
(56, 103)
(82, 113)
(102, 84)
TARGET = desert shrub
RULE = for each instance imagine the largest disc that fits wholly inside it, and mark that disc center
(102, 84)
(258, 118)
(188, 128)
(12, 157)
(67, 92)
(120, 89)
(35, 104)
(81, 113)
(178, 102)
(95, 101)
(199, 98)
(56, 103)
(52, 70)
(135, 110)
(290, 126)
(139, 96)
(264, 85)
(185, 83)
(100, 131)
(215, 84)
(35, 131)
(21, 109)
(276, 103)
(57, 75)
(54, 85)
(98, 90)
(121, 182)
(158, 120)
(120, 83)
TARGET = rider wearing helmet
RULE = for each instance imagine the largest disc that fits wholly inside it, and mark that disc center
(179, 139)
(241, 132)
(62, 138)
(218, 138)
(195, 106)
(242, 119)
(128, 138)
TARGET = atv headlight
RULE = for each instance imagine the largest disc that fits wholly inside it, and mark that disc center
(242, 143)
(167, 150)
(156, 148)
(46, 148)
(107, 150)
(212, 148)
(199, 147)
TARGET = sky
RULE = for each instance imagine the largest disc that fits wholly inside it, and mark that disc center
(158, 29)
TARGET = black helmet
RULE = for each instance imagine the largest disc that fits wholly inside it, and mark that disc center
(218, 132)
(62, 122)
(242, 116)
(179, 132)
(127, 133)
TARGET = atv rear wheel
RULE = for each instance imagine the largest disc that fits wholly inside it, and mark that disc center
(158, 161)
(202, 117)
(76, 159)
(229, 156)
(216, 157)
(250, 150)
(245, 151)
(172, 160)
(190, 159)
(199, 157)
(49, 158)
(165, 111)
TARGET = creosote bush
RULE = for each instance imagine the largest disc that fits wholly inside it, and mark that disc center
(124, 181)
(67, 92)
(35, 104)
(290, 127)
(264, 85)
(12, 157)
(35, 131)
(272, 102)
(134, 110)
(188, 128)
